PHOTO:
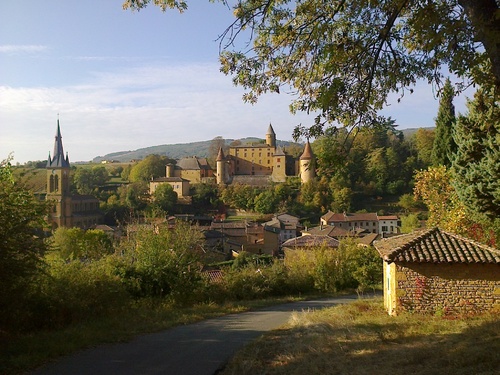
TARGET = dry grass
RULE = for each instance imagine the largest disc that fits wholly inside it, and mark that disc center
(21, 352)
(360, 338)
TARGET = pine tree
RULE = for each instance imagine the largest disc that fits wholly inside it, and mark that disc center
(476, 164)
(444, 144)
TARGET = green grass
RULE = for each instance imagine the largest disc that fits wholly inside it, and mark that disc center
(360, 338)
(22, 352)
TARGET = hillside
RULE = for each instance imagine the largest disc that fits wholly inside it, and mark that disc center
(199, 149)
(174, 151)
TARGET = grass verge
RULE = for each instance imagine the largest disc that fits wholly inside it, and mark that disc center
(22, 352)
(360, 338)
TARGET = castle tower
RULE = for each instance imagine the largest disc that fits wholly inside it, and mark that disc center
(279, 165)
(307, 172)
(58, 184)
(169, 172)
(221, 168)
(271, 136)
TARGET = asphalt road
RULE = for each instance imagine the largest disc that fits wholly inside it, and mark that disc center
(199, 349)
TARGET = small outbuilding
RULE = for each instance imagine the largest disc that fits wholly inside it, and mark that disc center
(433, 271)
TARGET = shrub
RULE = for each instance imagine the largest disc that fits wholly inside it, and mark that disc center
(69, 292)
(160, 262)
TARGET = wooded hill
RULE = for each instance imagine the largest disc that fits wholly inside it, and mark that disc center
(175, 151)
(181, 150)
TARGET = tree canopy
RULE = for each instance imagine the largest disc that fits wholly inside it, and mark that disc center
(476, 163)
(21, 243)
(444, 145)
(151, 166)
(341, 58)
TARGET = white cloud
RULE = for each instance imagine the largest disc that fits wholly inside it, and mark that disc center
(21, 48)
(152, 105)
(134, 108)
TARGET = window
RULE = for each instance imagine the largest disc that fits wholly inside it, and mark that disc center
(278, 160)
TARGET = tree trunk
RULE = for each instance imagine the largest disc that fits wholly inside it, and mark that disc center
(485, 18)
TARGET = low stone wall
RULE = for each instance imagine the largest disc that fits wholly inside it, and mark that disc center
(448, 289)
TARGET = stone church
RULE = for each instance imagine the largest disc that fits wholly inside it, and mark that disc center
(68, 210)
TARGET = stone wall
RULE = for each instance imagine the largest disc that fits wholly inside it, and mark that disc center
(447, 289)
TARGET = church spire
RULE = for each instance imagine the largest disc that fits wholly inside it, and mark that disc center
(58, 159)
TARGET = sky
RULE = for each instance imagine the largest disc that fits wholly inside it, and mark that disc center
(120, 80)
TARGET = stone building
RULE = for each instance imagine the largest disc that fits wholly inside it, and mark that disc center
(263, 162)
(193, 169)
(68, 210)
(432, 271)
(370, 222)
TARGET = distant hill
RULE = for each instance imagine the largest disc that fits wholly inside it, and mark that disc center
(199, 149)
(410, 131)
(175, 151)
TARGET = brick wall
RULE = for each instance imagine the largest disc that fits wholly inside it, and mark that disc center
(447, 288)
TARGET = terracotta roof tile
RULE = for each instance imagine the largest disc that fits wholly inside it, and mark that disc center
(311, 241)
(327, 230)
(435, 246)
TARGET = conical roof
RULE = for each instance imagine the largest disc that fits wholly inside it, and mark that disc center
(220, 155)
(270, 130)
(307, 154)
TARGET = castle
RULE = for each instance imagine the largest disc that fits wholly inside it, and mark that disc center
(257, 165)
(265, 162)
(246, 164)
(68, 210)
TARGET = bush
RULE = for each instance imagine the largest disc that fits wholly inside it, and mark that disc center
(71, 292)
(160, 262)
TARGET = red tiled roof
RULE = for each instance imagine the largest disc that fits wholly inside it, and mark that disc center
(311, 241)
(368, 239)
(389, 217)
(435, 246)
(347, 217)
(215, 276)
(328, 230)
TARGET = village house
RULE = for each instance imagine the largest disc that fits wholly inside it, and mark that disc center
(433, 271)
(370, 222)
(178, 184)
(195, 170)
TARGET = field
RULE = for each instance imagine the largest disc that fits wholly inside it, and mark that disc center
(361, 338)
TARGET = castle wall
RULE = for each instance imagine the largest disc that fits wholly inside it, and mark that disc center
(252, 160)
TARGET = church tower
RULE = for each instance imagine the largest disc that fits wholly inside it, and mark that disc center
(307, 172)
(271, 136)
(58, 169)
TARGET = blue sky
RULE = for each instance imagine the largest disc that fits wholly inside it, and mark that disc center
(122, 80)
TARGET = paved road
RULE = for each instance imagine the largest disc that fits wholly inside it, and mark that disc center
(198, 349)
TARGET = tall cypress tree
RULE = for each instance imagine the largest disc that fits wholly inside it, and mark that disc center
(444, 145)
(476, 164)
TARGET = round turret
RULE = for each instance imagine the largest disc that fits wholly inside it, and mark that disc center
(307, 171)
(221, 168)
(271, 136)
